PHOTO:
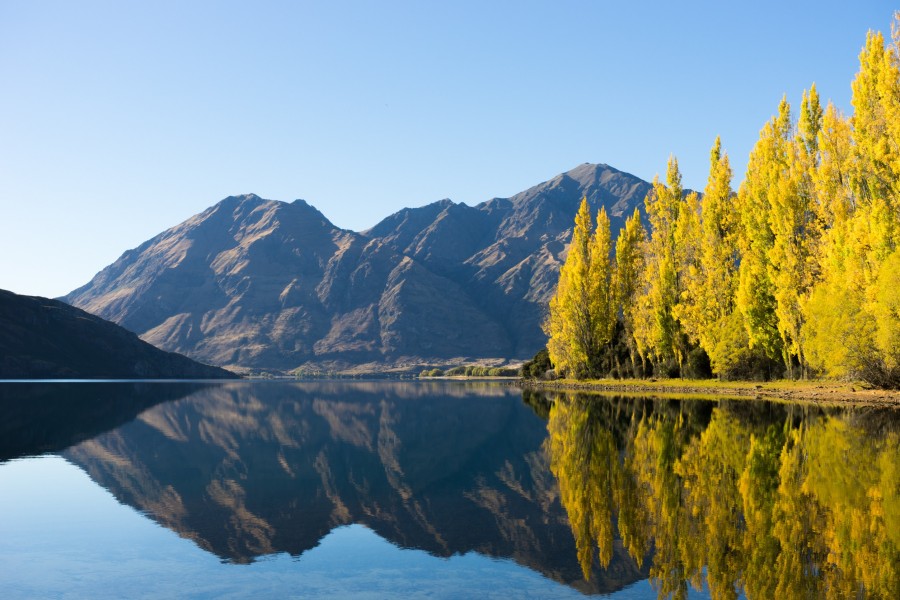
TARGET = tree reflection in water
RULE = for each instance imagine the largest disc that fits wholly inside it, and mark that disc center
(772, 500)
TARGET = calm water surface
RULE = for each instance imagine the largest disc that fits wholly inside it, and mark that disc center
(438, 489)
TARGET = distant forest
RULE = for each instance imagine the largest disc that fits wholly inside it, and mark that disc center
(797, 274)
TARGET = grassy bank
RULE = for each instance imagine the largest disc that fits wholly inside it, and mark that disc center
(820, 392)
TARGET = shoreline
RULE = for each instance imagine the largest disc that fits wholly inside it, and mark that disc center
(817, 392)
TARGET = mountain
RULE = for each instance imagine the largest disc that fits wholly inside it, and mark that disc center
(48, 339)
(266, 285)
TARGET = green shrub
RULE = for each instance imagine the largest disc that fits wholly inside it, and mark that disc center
(431, 373)
(537, 366)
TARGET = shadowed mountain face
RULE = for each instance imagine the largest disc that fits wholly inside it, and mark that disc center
(259, 284)
(246, 470)
(48, 339)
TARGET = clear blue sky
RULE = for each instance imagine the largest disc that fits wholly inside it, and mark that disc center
(121, 119)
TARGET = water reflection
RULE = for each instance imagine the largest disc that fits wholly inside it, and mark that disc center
(775, 500)
(253, 469)
(49, 417)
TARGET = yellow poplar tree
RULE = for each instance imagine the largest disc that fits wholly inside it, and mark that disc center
(876, 104)
(582, 312)
(714, 291)
(792, 220)
(690, 271)
(569, 325)
(815, 218)
(756, 290)
(838, 332)
(603, 292)
(629, 270)
(858, 182)
(659, 335)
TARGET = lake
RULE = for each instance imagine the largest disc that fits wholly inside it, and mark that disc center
(441, 490)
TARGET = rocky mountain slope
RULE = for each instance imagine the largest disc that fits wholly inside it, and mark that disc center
(48, 339)
(266, 285)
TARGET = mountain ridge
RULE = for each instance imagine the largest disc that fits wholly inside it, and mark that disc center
(42, 338)
(259, 284)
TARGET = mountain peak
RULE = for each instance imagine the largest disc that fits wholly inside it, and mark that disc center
(244, 207)
(588, 174)
(242, 199)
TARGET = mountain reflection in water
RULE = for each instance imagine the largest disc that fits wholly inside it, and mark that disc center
(750, 498)
(772, 500)
(249, 470)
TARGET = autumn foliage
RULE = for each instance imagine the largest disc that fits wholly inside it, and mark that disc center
(797, 272)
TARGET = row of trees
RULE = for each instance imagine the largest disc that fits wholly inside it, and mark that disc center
(470, 371)
(797, 272)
